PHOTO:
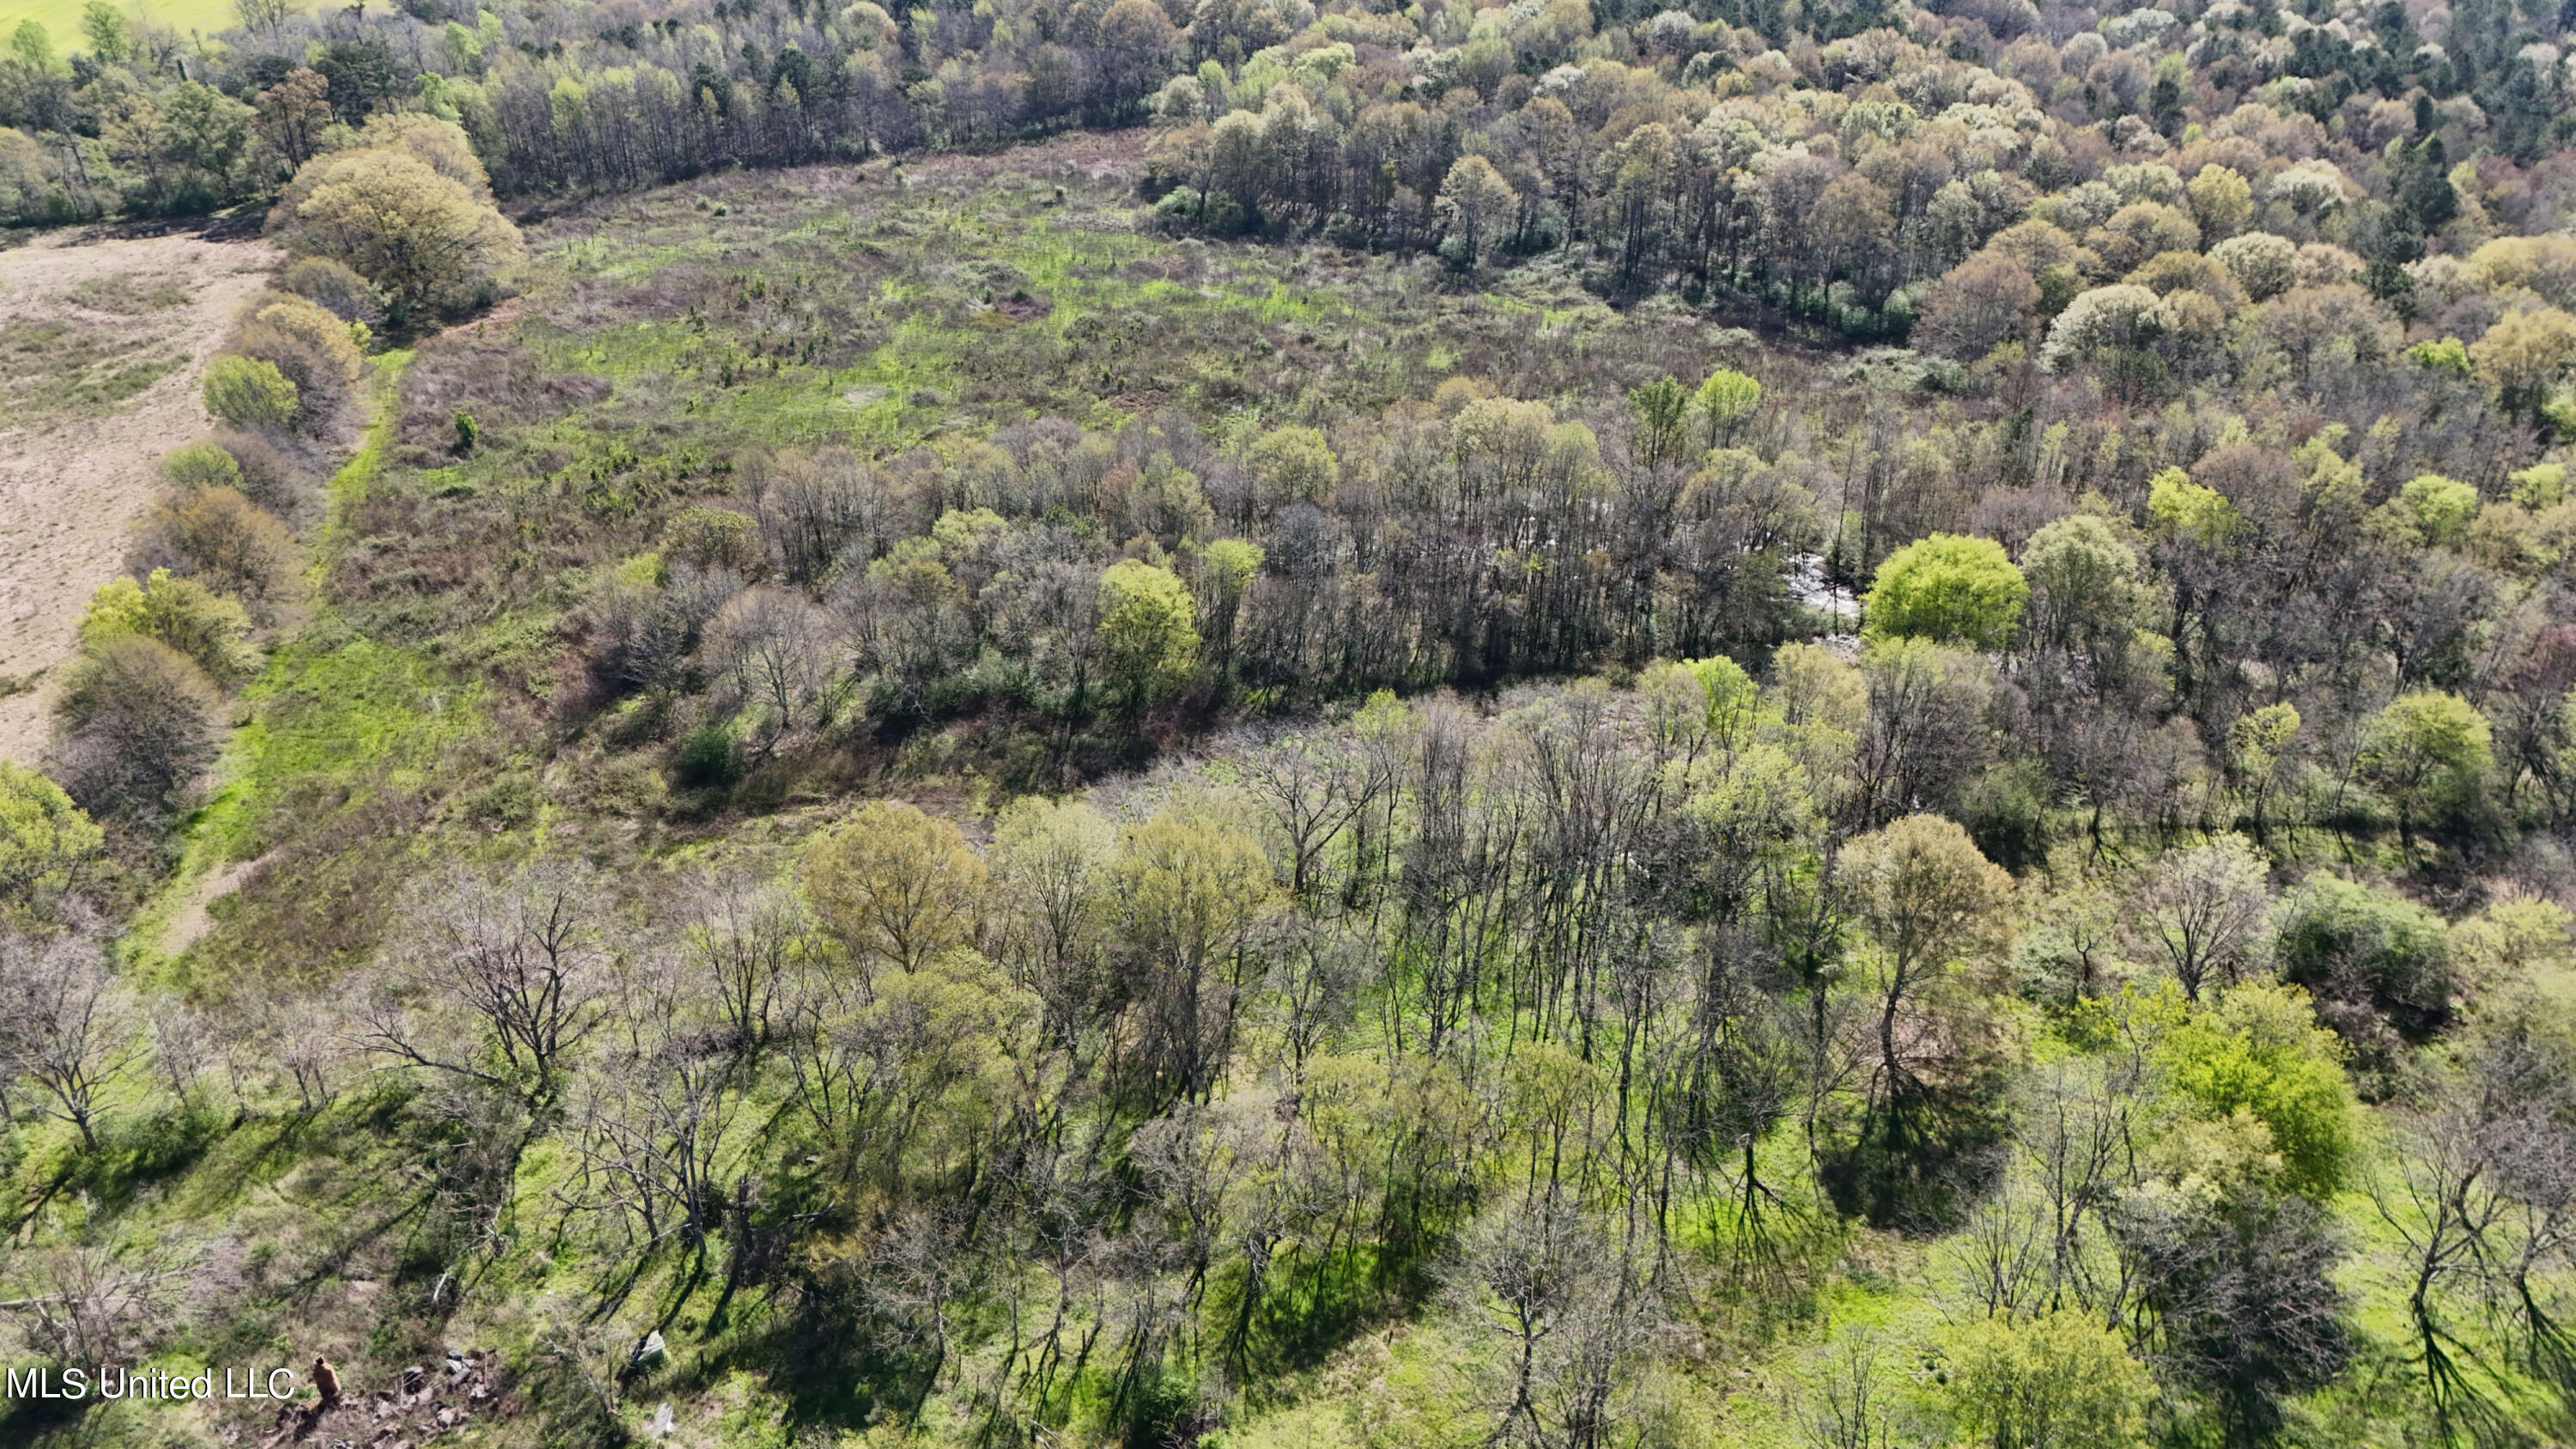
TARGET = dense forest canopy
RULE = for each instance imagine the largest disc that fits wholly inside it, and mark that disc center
(1271, 725)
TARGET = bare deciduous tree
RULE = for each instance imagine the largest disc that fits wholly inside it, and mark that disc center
(516, 956)
(62, 1024)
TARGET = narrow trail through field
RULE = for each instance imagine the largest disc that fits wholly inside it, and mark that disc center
(102, 343)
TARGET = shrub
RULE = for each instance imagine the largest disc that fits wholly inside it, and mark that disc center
(135, 721)
(2060, 1382)
(45, 839)
(336, 289)
(2367, 956)
(709, 758)
(223, 538)
(191, 466)
(210, 629)
(249, 393)
(271, 476)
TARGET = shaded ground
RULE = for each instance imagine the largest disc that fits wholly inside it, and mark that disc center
(101, 343)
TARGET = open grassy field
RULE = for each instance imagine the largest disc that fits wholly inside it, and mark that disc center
(101, 345)
(62, 18)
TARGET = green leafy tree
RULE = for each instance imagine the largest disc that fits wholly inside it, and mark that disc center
(893, 883)
(2438, 507)
(2089, 593)
(1232, 564)
(1948, 589)
(1148, 627)
(32, 46)
(45, 839)
(2059, 1382)
(2428, 752)
(2192, 510)
(1292, 465)
(1662, 411)
(104, 29)
(1724, 401)
(2259, 1050)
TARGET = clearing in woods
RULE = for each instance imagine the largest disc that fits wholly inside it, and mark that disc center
(101, 344)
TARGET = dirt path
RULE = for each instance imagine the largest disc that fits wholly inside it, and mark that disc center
(81, 321)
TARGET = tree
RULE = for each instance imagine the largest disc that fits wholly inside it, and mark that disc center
(293, 112)
(1978, 305)
(417, 232)
(1932, 902)
(2207, 907)
(1147, 627)
(1185, 892)
(2059, 1382)
(1292, 465)
(2524, 355)
(1947, 589)
(249, 393)
(517, 957)
(1474, 202)
(1662, 411)
(773, 647)
(62, 1024)
(264, 15)
(104, 29)
(2429, 752)
(2236, 1291)
(896, 884)
(46, 841)
(1232, 564)
(2259, 1049)
(1725, 400)
(2124, 317)
(2089, 593)
(32, 46)
(2263, 264)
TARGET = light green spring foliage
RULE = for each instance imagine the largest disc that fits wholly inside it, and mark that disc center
(2542, 485)
(2059, 1382)
(2428, 752)
(249, 393)
(1148, 625)
(1292, 465)
(192, 466)
(2438, 508)
(1725, 400)
(1948, 589)
(45, 839)
(210, 628)
(2258, 1048)
(1231, 565)
(2088, 589)
(893, 883)
(2183, 507)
